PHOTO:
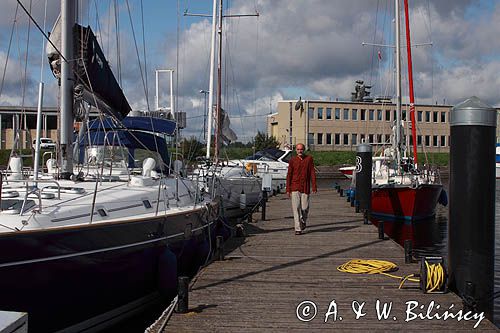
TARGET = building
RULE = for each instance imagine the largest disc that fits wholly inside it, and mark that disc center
(341, 125)
(25, 118)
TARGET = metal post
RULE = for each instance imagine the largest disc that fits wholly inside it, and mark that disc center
(408, 251)
(183, 293)
(263, 205)
(219, 247)
(472, 198)
(381, 230)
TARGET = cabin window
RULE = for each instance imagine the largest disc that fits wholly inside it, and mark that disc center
(102, 212)
(146, 204)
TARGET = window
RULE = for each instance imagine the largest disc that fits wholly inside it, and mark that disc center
(443, 141)
(362, 138)
(354, 139)
(320, 139)
(419, 140)
(320, 113)
(346, 139)
(387, 115)
(337, 113)
(337, 139)
(328, 138)
(310, 113)
(370, 138)
(419, 115)
(394, 116)
(435, 140)
(443, 117)
(427, 141)
(354, 114)
(427, 116)
(403, 115)
(363, 114)
(379, 138)
(435, 116)
(411, 140)
(346, 114)
(328, 113)
(371, 115)
(379, 115)
(310, 139)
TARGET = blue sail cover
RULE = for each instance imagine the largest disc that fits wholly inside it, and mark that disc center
(132, 132)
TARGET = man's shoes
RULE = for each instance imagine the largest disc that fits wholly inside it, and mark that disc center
(302, 225)
(298, 233)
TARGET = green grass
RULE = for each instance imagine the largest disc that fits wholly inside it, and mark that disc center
(333, 157)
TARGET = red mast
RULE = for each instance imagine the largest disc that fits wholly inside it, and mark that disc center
(410, 79)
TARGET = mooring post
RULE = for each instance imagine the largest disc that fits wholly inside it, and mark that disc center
(381, 230)
(219, 247)
(471, 226)
(183, 294)
(363, 175)
(263, 205)
(408, 251)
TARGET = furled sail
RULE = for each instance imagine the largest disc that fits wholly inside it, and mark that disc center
(95, 82)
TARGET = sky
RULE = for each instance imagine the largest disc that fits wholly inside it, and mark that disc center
(308, 48)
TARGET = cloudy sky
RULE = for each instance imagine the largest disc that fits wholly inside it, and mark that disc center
(308, 48)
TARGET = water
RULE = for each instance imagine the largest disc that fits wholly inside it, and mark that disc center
(430, 237)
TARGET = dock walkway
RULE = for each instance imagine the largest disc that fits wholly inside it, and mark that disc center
(265, 276)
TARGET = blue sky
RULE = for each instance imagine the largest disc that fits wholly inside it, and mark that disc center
(295, 48)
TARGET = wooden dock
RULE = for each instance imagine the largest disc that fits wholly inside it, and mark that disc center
(266, 275)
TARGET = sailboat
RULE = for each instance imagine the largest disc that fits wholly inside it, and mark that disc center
(402, 189)
(239, 189)
(87, 244)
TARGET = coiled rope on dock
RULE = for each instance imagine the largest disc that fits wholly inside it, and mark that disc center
(435, 273)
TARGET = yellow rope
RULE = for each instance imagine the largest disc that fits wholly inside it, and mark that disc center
(435, 272)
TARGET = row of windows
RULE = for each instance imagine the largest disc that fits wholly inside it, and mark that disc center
(347, 139)
(372, 115)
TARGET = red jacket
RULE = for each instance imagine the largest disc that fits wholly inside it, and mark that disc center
(300, 175)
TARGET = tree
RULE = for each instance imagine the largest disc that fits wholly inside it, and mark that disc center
(263, 141)
(192, 148)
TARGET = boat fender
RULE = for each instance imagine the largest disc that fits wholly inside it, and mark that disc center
(167, 272)
(243, 200)
(443, 198)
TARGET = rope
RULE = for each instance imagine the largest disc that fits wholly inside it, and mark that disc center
(435, 272)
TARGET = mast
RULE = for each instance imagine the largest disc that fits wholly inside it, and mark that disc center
(410, 79)
(67, 79)
(211, 83)
(219, 89)
(398, 83)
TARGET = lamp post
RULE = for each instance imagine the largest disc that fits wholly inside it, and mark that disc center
(205, 93)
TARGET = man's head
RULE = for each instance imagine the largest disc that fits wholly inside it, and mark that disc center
(300, 149)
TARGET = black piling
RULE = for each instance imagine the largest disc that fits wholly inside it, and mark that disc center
(408, 251)
(363, 175)
(219, 248)
(263, 205)
(381, 233)
(183, 293)
(471, 227)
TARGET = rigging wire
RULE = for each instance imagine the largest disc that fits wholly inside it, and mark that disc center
(117, 37)
(144, 50)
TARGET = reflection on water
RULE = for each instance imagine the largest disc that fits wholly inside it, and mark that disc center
(430, 237)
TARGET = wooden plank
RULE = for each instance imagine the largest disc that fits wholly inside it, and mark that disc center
(268, 274)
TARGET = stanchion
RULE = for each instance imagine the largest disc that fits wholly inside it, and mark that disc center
(408, 251)
(219, 247)
(183, 292)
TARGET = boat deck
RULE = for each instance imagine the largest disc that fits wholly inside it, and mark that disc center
(265, 276)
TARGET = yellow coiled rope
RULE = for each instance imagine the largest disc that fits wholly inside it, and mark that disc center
(435, 272)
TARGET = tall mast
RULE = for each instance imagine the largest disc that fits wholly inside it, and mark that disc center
(410, 79)
(398, 83)
(211, 83)
(219, 89)
(67, 79)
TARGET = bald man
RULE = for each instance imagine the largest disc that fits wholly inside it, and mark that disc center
(301, 176)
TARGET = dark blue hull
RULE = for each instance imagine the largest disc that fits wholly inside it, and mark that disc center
(67, 276)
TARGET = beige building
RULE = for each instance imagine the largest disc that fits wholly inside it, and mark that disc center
(341, 125)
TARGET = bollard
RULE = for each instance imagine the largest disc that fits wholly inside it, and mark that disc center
(219, 248)
(263, 205)
(365, 217)
(408, 251)
(183, 292)
(341, 191)
(381, 230)
(356, 204)
(471, 226)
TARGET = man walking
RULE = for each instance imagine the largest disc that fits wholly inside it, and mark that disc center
(301, 175)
